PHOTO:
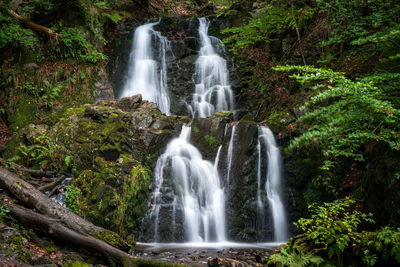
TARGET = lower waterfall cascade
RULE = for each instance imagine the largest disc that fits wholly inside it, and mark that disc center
(273, 189)
(198, 190)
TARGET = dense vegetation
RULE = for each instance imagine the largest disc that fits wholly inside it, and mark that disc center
(324, 74)
(346, 110)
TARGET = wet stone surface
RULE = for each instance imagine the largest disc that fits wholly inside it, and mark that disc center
(208, 256)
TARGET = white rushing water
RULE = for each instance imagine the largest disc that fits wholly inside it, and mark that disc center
(146, 75)
(230, 153)
(273, 182)
(212, 90)
(198, 190)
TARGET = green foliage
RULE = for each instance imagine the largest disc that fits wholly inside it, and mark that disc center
(295, 259)
(42, 152)
(114, 17)
(4, 210)
(73, 43)
(328, 234)
(134, 197)
(13, 34)
(270, 19)
(382, 245)
(345, 115)
(333, 226)
(73, 198)
(211, 139)
(361, 22)
(15, 244)
(32, 7)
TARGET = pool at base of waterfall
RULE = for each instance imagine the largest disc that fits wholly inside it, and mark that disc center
(208, 253)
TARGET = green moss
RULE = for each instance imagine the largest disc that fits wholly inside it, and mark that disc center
(136, 262)
(224, 114)
(211, 139)
(247, 117)
(113, 198)
(111, 238)
(76, 264)
(23, 113)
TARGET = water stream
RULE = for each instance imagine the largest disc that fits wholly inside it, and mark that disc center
(198, 190)
(147, 75)
(212, 90)
(189, 190)
(273, 183)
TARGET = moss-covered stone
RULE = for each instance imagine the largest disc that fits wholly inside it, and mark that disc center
(76, 264)
(114, 194)
(106, 146)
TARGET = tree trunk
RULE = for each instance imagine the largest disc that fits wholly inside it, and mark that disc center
(55, 229)
(36, 173)
(33, 198)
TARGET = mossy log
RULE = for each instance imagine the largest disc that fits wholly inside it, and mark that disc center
(36, 173)
(33, 198)
(55, 229)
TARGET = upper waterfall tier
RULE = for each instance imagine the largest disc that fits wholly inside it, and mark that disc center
(212, 90)
(146, 75)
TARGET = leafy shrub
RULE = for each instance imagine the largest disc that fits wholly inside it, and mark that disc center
(344, 115)
(11, 33)
(331, 229)
(73, 198)
(360, 22)
(44, 152)
(382, 245)
(211, 139)
(270, 19)
(333, 226)
(74, 44)
(293, 258)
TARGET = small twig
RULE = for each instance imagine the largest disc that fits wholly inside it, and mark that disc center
(259, 109)
(299, 40)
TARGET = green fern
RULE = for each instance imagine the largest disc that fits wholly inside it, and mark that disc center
(294, 259)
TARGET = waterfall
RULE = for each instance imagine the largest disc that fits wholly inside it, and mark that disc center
(230, 152)
(212, 90)
(198, 191)
(273, 182)
(145, 75)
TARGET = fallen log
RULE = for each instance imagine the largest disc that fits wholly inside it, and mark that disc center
(54, 228)
(51, 185)
(31, 197)
(36, 173)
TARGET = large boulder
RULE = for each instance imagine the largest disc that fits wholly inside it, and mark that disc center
(110, 149)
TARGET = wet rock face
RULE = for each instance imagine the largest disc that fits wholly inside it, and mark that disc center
(104, 89)
(208, 134)
(182, 32)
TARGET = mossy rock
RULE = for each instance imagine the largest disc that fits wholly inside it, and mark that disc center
(208, 133)
(114, 194)
(76, 264)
